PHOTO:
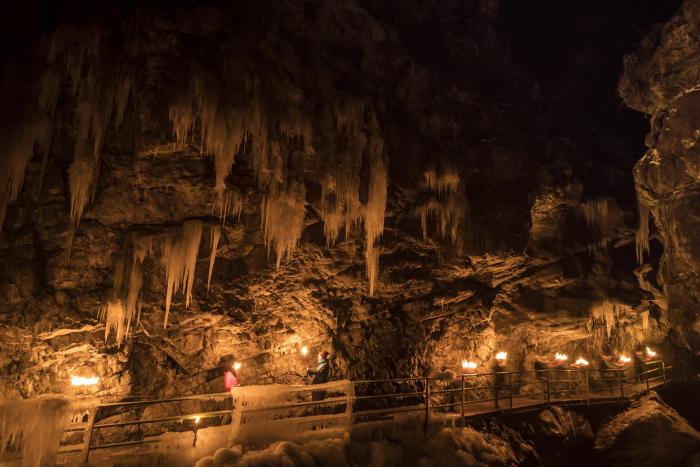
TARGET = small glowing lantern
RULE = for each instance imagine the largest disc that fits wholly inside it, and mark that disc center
(304, 351)
(624, 359)
(650, 353)
(560, 357)
(581, 362)
(467, 365)
(196, 420)
(81, 381)
(501, 356)
(237, 366)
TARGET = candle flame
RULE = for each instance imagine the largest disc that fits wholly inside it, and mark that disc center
(237, 366)
(467, 365)
(625, 359)
(501, 355)
(81, 381)
(196, 420)
(650, 352)
(560, 357)
(581, 362)
(304, 351)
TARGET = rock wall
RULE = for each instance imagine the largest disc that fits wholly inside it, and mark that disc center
(662, 79)
(329, 153)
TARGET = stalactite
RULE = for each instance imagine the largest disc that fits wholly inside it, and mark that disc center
(180, 260)
(341, 208)
(376, 206)
(645, 320)
(605, 314)
(283, 219)
(231, 202)
(123, 309)
(605, 215)
(448, 181)
(215, 237)
(447, 205)
(642, 235)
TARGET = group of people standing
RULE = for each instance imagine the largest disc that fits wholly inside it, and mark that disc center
(318, 376)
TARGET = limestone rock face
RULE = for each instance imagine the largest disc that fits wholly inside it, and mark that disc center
(662, 79)
(649, 433)
(380, 179)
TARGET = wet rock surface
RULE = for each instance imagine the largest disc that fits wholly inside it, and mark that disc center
(544, 242)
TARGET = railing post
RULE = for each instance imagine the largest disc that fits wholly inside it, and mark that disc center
(547, 394)
(663, 370)
(427, 405)
(622, 383)
(510, 392)
(646, 373)
(87, 435)
(463, 423)
(588, 390)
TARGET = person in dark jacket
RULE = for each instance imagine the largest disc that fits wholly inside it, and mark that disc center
(320, 375)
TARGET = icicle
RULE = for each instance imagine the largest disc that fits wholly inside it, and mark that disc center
(447, 207)
(35, 425)
(642, 236)
(605, 314)
(124, 307)
(446, 182)
(376, 207)
(180, 259)
(230, 203)
(215, 237)
(283, 220)
(645, 321)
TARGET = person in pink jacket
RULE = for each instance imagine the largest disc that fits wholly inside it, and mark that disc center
(230, 374)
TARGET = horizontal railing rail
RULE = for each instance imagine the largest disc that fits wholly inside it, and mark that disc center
(422, 394)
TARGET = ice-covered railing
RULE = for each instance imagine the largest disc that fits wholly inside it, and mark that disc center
(33, 428)
(281, 412)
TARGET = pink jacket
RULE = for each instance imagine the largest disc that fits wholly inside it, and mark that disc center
(230, 381)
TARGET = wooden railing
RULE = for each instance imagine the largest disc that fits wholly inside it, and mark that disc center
(464, 396)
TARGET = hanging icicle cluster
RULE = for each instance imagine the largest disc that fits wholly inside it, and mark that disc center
(376, 204)
(123, 309)
(642, 235)
(604, 215)
(341, 208)
(180, 260)
(445, 203)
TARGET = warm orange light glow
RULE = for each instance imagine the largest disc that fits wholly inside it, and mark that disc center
(196, 420)
(624, 359)
(237, 366)
(467, 365)
(81, 381)
(650, 352)
(560, 357)
(581, 362)
(501, 355)
(304, 351)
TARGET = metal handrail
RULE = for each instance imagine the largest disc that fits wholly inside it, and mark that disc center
(552, 390)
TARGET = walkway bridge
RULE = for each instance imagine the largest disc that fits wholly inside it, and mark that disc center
(289, 412)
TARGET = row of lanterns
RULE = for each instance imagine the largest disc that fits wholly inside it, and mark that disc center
(559, 358)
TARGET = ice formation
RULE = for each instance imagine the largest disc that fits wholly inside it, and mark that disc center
(215, 237)
(283, 219)
(123, 308)
(605, 215)
(376, 208)
(642, 236)
(262, 413)
(341, 208)
(446, 204)
(36, 426)
(180, 260)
